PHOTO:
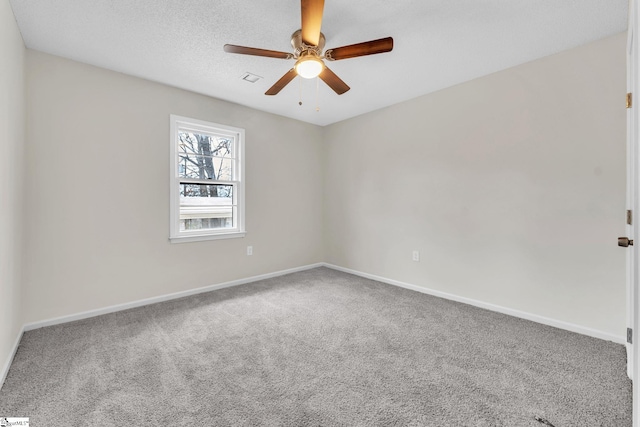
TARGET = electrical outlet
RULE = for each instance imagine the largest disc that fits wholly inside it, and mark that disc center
(249, 250)
(416, 256)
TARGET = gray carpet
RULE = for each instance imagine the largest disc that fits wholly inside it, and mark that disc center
(315, 348)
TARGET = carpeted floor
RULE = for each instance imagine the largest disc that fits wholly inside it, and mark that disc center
(315, 348)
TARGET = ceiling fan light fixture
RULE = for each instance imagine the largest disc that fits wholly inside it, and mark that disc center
(309, 66)
(308, 45)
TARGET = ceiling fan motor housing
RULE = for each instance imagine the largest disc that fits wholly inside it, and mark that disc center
(300, 47)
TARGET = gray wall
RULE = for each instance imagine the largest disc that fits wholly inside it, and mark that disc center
(12, 131)
(511, 186)
(98, 221)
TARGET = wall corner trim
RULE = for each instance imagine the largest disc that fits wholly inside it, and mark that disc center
(487, 306)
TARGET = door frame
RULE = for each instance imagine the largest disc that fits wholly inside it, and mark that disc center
(631, 184)
(633, 199)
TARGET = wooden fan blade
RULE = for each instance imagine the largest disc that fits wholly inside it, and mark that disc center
(243, 50)
(311, 21)
(360, 49)
(280, 84)
(334, 82)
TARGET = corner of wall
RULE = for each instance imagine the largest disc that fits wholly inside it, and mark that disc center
(12, 160)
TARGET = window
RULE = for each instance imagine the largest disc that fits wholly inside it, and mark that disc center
(207, 180)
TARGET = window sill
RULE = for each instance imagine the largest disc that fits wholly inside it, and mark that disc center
(204, 237)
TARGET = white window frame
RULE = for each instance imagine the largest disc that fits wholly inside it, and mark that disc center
(177, 236)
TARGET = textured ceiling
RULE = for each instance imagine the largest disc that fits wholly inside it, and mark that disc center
(437, 43)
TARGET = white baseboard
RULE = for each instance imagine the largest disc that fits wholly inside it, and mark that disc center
(504, 310)
(161, 298)
(7, 365)
(139, 303)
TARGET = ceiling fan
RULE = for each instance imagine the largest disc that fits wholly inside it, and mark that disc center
(308, 43)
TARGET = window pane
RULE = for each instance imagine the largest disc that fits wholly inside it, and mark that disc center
(201, 167)
(204, 206)
(205, 145)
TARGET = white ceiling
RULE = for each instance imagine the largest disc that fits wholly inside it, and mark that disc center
(437, 43)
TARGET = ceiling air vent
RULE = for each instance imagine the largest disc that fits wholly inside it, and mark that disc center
(251, 78)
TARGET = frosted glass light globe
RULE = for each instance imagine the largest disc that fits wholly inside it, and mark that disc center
(309, 66)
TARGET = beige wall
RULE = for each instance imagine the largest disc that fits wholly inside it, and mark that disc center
(12, 130)
(511, 186)
(98, 211)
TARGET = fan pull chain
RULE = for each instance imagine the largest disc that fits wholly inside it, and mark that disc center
(317, 94)
(300, 86)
